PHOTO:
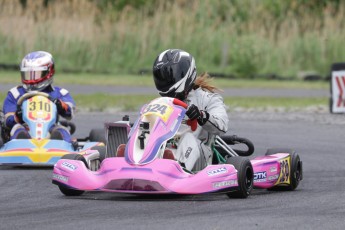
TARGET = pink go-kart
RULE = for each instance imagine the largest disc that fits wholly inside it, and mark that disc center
(143, 169)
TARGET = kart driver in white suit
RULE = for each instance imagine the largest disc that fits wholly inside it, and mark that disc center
(174, 73)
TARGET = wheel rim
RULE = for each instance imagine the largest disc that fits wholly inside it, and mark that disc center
(249, 178)
(298, 172)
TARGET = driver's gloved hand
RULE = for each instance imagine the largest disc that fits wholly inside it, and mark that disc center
(61, 106)
(194, 113)
(203, 118)
(18, 116)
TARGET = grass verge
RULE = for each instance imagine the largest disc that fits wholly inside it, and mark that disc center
(101, 102)
(13, 77)
(112, 103)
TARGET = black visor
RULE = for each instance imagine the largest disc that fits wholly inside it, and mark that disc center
(168, 74)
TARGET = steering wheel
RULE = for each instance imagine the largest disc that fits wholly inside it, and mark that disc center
(29, 95)
(192, 123)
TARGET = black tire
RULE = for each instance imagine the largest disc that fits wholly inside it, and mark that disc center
(1, 135)
(70, 125)
(245, 177)
(4, 131)
(68, 191)
(102, 151)
(296, 169)
(97, 135)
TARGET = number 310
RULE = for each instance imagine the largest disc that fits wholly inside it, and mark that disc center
(39, 106)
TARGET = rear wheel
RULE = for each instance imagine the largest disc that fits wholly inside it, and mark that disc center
(95, 163)
(295, 170)
(97, 135)
(101, 150)
(245, 177)
(68, 191)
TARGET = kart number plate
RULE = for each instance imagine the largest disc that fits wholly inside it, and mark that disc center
(39, 108)
(158, 109)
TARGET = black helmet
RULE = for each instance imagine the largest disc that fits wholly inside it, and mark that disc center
(174, 73)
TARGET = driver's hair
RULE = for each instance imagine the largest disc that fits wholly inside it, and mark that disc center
(204, 81)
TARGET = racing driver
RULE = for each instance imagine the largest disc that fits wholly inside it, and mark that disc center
(37, 74)
(174, 73)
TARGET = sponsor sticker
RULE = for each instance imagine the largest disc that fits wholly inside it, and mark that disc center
(60, 177)
(226, 183)
(271, 178)
(189, 150)
(217, 171)
(273, 169)
(284, 177)
(260, 176)
(69, 166)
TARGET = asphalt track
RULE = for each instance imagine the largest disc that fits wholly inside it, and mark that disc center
(28, 199)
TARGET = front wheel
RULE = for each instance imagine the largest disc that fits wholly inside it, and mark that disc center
(295, 169)
(68, 191)
(245, 175)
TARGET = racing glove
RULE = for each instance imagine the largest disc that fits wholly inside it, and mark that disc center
(61, 107)
(203, 117)
(18, 116)
(194, 113)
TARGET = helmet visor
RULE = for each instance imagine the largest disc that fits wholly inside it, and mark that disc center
(33, 75)
(168, 75)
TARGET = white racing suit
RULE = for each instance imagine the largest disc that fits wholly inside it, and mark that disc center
(194, 148)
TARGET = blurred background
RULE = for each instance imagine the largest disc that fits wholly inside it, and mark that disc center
(234, 38)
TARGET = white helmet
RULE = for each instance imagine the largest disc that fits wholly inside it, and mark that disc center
(37, 70)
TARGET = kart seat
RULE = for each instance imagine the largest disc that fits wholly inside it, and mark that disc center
(168, 154)
(120, 152)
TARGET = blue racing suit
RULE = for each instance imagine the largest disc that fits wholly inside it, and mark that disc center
(10, 103)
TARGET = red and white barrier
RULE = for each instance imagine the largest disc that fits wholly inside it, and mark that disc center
(338, 88)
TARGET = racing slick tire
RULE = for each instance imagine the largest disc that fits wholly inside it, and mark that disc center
(296, 169)
(95, 163)
(245, 175)
(102, 151)
(67, 191)
(97, 135)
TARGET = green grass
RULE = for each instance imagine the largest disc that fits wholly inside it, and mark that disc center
(12, 77)
(239, 37)
(113, 103)
(101, 102)
(265, 103)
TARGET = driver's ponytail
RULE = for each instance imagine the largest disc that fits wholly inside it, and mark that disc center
(204, 81)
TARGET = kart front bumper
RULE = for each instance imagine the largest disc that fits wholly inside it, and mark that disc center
(160, 176)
